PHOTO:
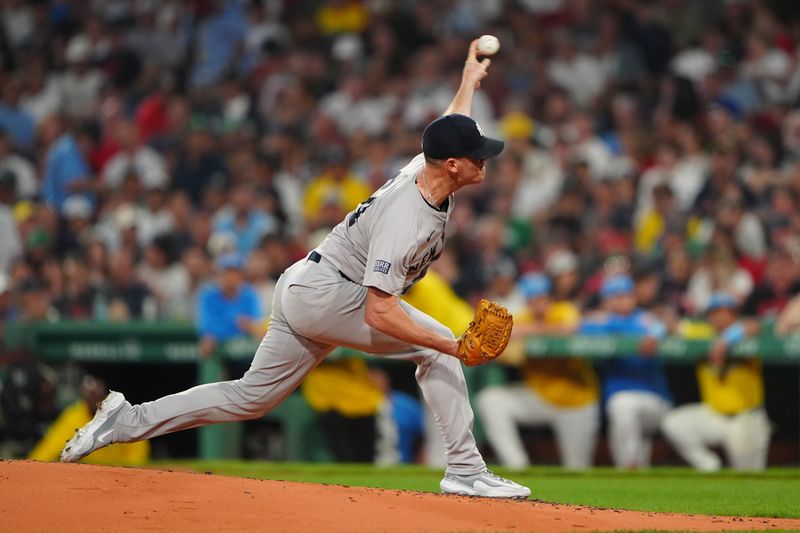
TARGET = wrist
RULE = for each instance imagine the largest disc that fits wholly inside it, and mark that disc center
(450, 347)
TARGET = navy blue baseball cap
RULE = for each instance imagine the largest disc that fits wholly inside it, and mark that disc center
(458, 136)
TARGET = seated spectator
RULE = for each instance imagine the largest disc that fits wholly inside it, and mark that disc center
(635, 389)
(336, 185)
(560, 393)
(10, 241)
(26, 184)
(81, 83)
(135, 157)
(77, 415)
(126, 296)
(227, 307)
(77, 230)
(718, 271)
(652, 225)
(154, 218)
(166, 278)
(65, 170)
(35, 303)
(731, 413)
(14, 118)
(78, 298)
(243, 220)
(781, 282)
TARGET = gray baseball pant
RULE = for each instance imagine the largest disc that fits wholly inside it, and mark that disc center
(315, 310)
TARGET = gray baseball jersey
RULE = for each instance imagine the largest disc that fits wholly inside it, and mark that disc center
(392, 237)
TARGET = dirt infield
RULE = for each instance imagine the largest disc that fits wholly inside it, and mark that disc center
(56, 497)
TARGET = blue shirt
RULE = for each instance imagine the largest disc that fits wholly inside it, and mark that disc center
(219, 36)
(249, 234)
(19, 125)
(633, 372)
(216, 314)
(64, 164)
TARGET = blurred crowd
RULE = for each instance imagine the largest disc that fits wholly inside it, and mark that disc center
(150, 147)
(139, 140)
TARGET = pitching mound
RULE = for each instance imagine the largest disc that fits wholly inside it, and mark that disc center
(55, 497)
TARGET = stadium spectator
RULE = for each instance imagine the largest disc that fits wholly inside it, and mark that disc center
(23, 170)
(10, 241)
(731, 413)
(635, 391)
(66, 170)
(243, 220)
(333, 192)
(227, 308)
(718, 271)
(82, 82)
(126, 296)
(134, 158)
(77, 301)
(781, 282)
(14, 119)
(166, 278)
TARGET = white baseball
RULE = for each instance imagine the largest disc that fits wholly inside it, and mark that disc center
(488, 45)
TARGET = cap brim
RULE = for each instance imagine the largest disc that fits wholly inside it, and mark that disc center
(490, 148)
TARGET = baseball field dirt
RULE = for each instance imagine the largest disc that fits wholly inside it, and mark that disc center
(58, 497)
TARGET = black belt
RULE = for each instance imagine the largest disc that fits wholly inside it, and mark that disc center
(316, 257)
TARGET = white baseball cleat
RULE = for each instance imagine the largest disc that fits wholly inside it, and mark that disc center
(97, 433)
(484, 483)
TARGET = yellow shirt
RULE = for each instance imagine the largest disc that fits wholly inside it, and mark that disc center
(347, 194)
(349, 18)
(434, 297)
(343, 386)
(78, 415)
(648, 230)
(737, 388)
(564, 382)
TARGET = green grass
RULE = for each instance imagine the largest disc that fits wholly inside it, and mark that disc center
(774, 493)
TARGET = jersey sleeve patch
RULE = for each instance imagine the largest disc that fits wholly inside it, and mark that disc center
(382, 266)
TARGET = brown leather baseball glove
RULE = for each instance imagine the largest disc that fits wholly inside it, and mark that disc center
(487, 335)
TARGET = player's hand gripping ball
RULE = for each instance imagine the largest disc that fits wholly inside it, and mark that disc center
(488, 45)
(487, 335)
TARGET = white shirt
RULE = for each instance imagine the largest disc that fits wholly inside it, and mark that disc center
(148, 165)
(80, 93)
(687, 180)
(10, 243)
(26, 185)
(583, 77)
(44, 103)
(540, 186)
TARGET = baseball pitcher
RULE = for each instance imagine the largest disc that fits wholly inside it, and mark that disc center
(346, 293)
